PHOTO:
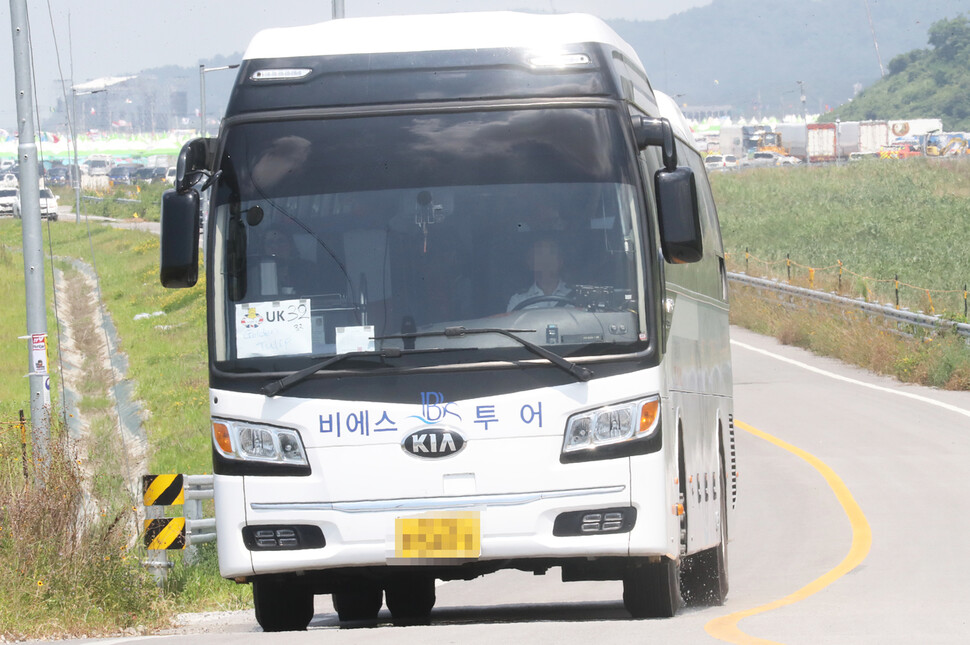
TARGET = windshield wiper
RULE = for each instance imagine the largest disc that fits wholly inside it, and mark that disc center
(275, 387)
(578, 372)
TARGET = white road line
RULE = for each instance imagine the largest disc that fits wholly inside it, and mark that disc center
(846, 379)
(128, 640)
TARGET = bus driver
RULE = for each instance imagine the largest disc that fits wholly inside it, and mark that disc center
(548, 288)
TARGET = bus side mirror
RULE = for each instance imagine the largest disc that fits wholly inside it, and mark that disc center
(181, 215)
(194, 160)
(676, 193)
(678, 215)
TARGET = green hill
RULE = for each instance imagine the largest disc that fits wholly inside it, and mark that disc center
(931, 83)
(750, 54)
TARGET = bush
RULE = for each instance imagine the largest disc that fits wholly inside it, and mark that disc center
(62, 574)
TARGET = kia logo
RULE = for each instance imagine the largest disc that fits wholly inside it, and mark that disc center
(433, 443)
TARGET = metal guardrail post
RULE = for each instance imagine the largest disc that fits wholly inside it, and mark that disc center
(193, 512)
(198, 530)
(157, 559)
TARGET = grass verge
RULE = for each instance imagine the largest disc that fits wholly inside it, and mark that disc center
(880, 219)
(101, 570)
(122, 201)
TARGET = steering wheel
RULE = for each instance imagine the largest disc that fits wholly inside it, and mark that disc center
(561, 301)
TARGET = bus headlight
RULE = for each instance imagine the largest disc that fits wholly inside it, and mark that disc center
(619, 430)
(244, 441)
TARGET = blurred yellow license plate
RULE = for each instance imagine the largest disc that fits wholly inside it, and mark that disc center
(433, 536)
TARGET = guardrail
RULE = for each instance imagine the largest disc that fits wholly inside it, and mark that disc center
(123, 200)
(889, 312)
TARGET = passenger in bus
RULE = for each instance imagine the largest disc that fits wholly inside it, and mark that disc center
(548, 289)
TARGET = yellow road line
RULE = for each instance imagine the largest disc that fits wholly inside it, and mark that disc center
(725, 628)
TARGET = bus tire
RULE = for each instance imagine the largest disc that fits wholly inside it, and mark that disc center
(653, 590)
(282, 605)
(410, 599)
(363, 603)
(705, 576)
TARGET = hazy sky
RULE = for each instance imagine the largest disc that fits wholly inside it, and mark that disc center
(117, 37)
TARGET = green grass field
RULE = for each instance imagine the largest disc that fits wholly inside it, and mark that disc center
(881, 218)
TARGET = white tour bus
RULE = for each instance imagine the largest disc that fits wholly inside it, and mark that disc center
(467, 311)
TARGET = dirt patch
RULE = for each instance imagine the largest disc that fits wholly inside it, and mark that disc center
(93, 377)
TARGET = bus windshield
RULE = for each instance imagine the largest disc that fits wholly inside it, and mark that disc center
(331, 235)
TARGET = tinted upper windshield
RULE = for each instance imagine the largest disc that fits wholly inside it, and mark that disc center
(329, 232)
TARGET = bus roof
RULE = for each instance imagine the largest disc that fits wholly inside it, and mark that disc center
(436, 32)
(670, 110)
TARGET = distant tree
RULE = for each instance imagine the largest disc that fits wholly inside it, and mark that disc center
(950, 38)
(901, 62)
(931, 82)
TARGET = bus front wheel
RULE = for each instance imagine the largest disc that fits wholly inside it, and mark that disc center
(282, 605)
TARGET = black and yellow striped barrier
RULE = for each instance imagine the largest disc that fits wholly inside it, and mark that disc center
(162, 490)
(166, 533)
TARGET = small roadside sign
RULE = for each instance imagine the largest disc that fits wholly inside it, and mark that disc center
(166, 533)
(163, 490)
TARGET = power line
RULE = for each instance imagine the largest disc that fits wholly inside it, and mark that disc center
(882, 70)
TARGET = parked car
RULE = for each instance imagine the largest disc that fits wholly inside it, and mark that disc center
(170, 175)
(9, 199)
(122, 174)
(143, 175)
(770, 158)
(720, 162)
(48, 205)
(60, 175)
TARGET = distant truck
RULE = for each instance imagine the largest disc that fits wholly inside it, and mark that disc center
(821, 142)
(900, 151)
(873, 136)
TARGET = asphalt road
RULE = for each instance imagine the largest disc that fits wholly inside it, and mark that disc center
(850, 528)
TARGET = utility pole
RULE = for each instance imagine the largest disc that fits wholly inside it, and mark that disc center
(33, 242)
(202, 99)
(808, 152)
(203, 70)
(77, 167)
(337, 9)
